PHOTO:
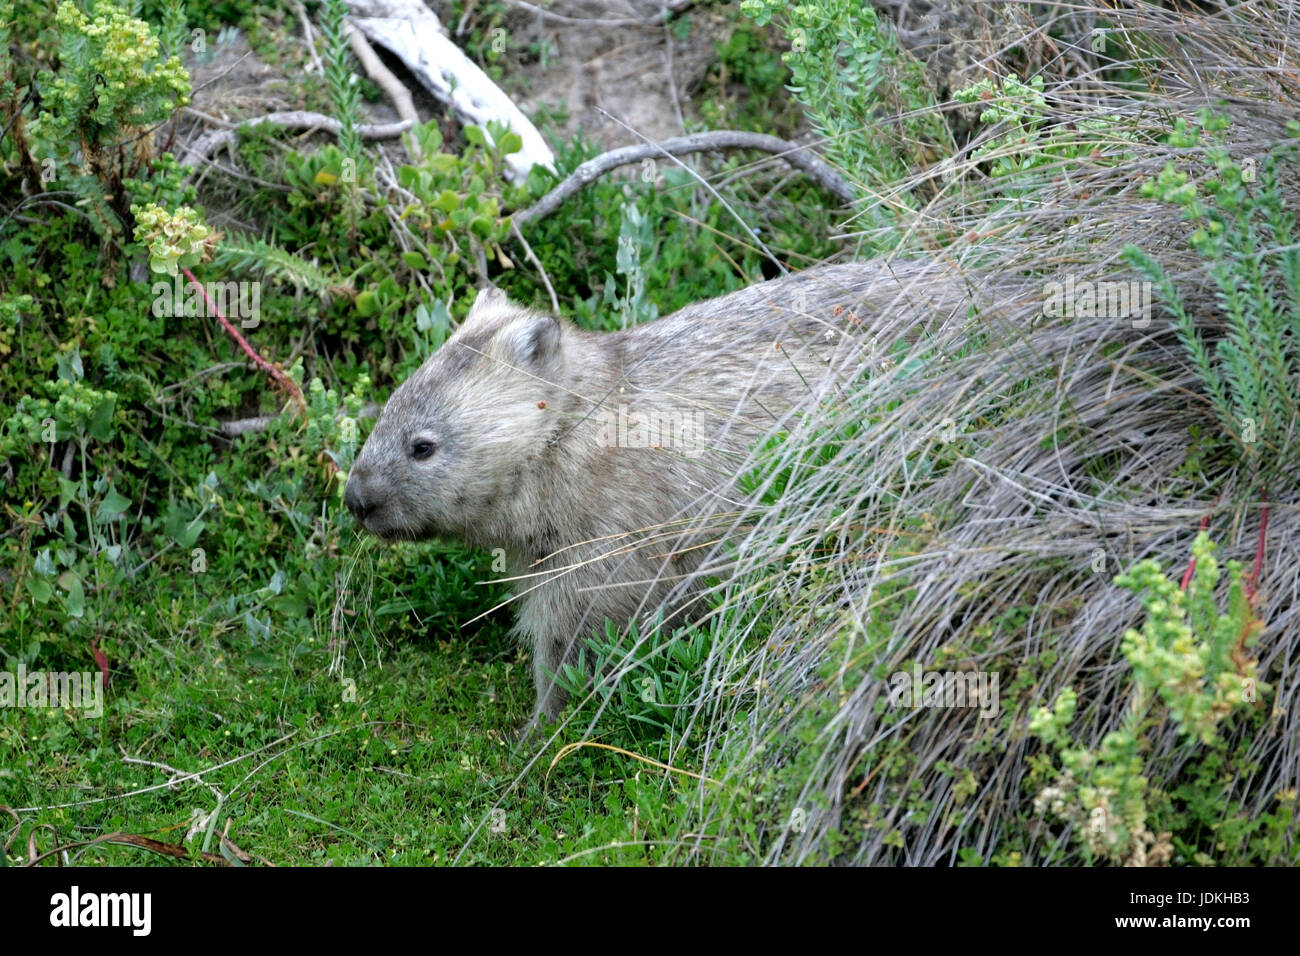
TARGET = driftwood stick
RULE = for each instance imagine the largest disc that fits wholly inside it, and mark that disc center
(412, 32)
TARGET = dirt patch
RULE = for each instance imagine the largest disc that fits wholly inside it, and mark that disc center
(602, 64)
(235, 83)
(608, 71)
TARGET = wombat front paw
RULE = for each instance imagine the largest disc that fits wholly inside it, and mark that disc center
(531, 730)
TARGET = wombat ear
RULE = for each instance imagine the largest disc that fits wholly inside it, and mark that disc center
(533, 338)
(487, 299)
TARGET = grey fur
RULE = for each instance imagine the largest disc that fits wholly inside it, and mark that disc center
(524, 410)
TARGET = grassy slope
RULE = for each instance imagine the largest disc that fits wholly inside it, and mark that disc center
(419, 768)
(408, 771)
(403, 775)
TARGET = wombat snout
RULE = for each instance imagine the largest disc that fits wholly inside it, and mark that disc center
(359, 499)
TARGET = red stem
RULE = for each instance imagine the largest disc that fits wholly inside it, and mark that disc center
(261, 363)
(101, 660)
(1191, 565)
(1252, 586)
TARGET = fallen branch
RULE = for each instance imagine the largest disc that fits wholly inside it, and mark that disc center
(667, 13)
(412, 32)
(207, 144)
(800, 157)
(246, 426)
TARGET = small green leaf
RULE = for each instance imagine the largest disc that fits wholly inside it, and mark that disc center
(255, 628)
(114, 504)
(512, 142)
(444, 162)
(191, 534)
(101, 420)
(75, 602)
(447, 201)
(39, 589)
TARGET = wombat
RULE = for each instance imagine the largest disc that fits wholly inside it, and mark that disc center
(593, 459)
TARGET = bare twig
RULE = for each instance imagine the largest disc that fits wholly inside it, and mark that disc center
(667, 12)
(210, 142)
(669, 70)
(580, 21)
(177, 775)
(796, 155)
(301, 11)
(245, 426)
(248, 426)
(532, 257)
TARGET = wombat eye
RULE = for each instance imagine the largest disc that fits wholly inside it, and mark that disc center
(422, 449)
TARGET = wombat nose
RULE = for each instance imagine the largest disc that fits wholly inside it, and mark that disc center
(354, 499)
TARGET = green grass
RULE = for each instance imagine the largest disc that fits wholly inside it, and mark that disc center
(403, 775)
(353, 704)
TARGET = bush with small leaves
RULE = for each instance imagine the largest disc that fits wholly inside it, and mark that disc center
(1188, 657)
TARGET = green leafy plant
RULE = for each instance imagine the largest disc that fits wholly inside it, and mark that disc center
(1027, 145)
(643, 688)
(11, 314)
(98, 111)
(867, 99)
(458, 200)
(72, 409)
(636, 245)
(1242, 228)
(1189, 659)
(77, 577)
(1190, 655)
(341, 78)
(345, 96)
(333, 428)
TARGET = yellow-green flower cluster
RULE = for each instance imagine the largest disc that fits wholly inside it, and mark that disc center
(115, 75)
(75, 409)
(1190, 657)
(1185, 649)
(174, 239)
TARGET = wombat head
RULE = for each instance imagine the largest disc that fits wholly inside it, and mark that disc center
(456, 438)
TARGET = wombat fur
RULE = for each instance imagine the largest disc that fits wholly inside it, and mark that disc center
(592, 458)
